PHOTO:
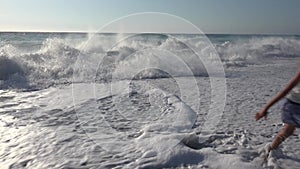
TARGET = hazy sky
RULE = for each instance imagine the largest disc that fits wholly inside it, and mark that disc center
(211, 16)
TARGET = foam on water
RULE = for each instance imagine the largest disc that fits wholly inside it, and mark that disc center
(55, 59)
(117, 127)
(125, 123)
(257, 50)
(118, 121)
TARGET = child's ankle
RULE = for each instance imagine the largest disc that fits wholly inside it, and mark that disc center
(273, 147)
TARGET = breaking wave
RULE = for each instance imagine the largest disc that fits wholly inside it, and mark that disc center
(51, 63)
(258, 50)
(101, 57)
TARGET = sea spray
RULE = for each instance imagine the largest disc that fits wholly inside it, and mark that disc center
(53, 59)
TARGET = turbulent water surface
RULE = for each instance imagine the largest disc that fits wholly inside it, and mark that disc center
(76, 100)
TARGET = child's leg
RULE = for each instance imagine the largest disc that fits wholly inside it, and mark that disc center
(287, 131)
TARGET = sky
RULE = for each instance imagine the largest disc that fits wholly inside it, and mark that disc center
(210, 16)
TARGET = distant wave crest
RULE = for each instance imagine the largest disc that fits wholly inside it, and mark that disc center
(107, 57)
(257, 50)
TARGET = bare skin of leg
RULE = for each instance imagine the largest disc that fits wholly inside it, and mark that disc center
(287, 131)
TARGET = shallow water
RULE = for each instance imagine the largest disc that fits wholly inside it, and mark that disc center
(109, 115)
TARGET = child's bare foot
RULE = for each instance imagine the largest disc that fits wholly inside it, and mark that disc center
(264, 153)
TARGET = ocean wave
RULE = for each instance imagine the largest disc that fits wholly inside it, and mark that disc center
(257, 50)
(51, 63)
(8, 67)
(103, 58)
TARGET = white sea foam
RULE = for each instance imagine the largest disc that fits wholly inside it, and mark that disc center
(102, 57)
(258, 50)
(44, 129)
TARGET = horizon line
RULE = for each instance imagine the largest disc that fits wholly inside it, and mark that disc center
(191, 33)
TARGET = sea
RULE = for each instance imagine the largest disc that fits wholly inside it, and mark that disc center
(112, 100)
(31, 60)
